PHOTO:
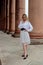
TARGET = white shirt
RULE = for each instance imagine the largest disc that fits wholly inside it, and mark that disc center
(27, 25)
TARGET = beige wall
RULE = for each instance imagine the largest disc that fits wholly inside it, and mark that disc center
(36, 16)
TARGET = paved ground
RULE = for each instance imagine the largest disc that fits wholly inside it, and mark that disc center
(11, 51)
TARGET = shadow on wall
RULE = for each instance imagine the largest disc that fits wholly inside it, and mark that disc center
(2, 14)
(2, 6)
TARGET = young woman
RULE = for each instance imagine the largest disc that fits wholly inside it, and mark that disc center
(25, 27)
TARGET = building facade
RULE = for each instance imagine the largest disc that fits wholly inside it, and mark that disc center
(11, 13)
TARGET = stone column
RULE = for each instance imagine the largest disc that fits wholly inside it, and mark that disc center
(8, 5)
(5, 17)
(13, 17)
(36, 17)
(20, 10)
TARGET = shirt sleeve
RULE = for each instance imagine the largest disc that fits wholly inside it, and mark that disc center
(30, 27)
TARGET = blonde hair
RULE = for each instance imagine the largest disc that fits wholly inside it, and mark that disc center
(24, 15)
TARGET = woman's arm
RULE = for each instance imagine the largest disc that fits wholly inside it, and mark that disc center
(30, 27)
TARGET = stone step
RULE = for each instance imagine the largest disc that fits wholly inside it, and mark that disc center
(16, 35)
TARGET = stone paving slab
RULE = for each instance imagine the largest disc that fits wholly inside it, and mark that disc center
(11, 51)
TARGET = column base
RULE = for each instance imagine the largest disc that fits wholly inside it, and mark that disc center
(36, 35)
(7, 32)
(4, 31)
(13, 34)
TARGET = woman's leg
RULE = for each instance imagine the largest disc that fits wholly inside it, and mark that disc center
(25, 49)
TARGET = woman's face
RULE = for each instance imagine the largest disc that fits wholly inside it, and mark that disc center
(24, 18)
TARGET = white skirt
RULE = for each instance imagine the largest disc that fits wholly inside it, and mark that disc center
(24, 37)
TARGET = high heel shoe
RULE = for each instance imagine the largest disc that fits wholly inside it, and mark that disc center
(25, 57)
(22, 55)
